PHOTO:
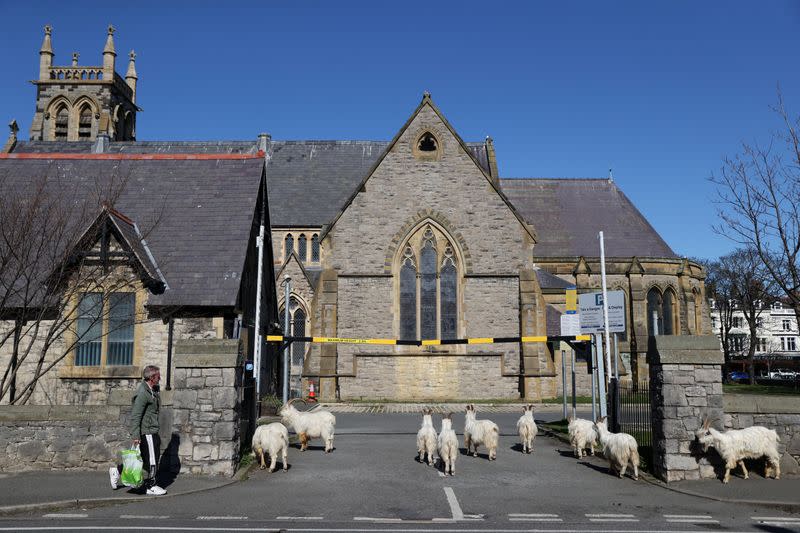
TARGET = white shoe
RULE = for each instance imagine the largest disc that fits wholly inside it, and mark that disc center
(113, 476)
(155, 490)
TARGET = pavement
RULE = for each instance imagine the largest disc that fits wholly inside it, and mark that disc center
(42, 490)
(51, 489)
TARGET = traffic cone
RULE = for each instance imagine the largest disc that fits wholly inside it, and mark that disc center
(311, 396)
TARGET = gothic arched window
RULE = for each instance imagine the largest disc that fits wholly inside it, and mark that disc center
(61, 123)
(85, 123)
(668, 312)
(428, 289)
(655, 323)
(662, 316)
(408, 296)
(315, 248)
(288, 246)
(301, 247)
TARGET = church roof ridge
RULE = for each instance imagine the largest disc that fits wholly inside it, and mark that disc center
(560, 178)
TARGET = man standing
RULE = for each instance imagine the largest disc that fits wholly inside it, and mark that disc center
(144, 429)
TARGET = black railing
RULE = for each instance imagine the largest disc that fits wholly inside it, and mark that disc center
(629, 412)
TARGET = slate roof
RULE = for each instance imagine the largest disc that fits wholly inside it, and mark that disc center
(331, 169)
(203, 207)
(550, 281)
(45, 147)
(184, 147)
(553, 320)
(568, 213)
(138, 245)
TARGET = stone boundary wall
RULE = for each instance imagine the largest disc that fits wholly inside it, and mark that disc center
(781, 413)
(207, 405)
(685, 386)
(70, 437)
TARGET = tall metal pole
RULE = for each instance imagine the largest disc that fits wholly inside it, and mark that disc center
(601, 372)
(605, 301)
(593, 363)
(564, 380)
(257, 347)
(574, 399)
(286, 333)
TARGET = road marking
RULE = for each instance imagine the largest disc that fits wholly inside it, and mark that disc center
(611, 517)
(221, 518)
(781, 518)
(142, 517)
(65, 515)
(533, 517)
(691, 519)
(458, 514)
(298, 518)
(370, 519)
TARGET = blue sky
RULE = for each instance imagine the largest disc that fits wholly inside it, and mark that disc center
(660, 91)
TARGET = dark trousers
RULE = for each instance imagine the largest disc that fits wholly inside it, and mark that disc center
(150, 446)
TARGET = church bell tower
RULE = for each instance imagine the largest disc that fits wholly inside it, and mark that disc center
(78, 103)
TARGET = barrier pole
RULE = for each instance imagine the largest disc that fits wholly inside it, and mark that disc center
(564, 381)
(574, 399)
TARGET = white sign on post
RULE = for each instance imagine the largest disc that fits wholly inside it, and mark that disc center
(570, 325)
(590, 311)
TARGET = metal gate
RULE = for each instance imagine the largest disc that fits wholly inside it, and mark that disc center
(629, 412)
(247, 408)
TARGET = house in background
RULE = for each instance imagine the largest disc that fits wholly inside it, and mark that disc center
(778, 338)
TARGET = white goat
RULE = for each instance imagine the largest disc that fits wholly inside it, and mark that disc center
(448, 445)
(526, 427)
(307, 425)
(272, 439)
(477, 432)
(582, 435)
(619, 448)
(736, 445)
(426, 437)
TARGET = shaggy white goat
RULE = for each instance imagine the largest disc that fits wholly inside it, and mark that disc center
(448, 445)
(308, 425)
(619, 448)
(582, 435)
(272, 439)
(477, 432)
(426, 438)
(736, 445)
(526, 427)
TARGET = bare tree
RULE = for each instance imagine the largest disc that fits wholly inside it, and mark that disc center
(719, 289)
(48, 262)
(758, 192)
(739, 281)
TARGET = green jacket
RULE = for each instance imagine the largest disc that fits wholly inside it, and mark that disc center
(144, 413)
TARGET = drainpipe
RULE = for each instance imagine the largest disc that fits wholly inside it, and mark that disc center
(170, 332)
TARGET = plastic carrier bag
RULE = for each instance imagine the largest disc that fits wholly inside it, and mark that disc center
(131, 467)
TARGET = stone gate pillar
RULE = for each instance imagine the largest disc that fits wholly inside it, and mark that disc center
(685, 386)
(206, 405)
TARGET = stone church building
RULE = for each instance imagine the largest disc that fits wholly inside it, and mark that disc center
(418, 237)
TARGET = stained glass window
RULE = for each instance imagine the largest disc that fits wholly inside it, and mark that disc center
(447, 283)
(315, 248)
(408, 297)
(427, 291)
(288, 245)
(301, 247)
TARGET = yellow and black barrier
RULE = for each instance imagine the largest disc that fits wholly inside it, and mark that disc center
(430, 342)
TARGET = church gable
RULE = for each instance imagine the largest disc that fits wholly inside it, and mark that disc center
(427, 168)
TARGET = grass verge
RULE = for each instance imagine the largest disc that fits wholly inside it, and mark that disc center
(779, 390)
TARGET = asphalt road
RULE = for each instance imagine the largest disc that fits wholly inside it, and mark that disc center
(372, 482)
